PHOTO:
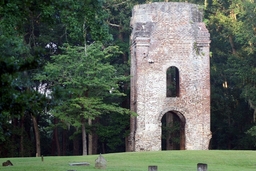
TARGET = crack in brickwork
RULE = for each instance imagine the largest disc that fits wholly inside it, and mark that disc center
(169, 34)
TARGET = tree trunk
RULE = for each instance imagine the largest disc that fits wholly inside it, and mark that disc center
(182, 135)
(169, 136)
(95, 144)
(75, 146)
(103, 148)
(56, 138)
(64, 142)
(232, 44)
(205, 4)
(22, 136)
(90, 137)
(53, 145)
(229, 133)
(254, 109)
(37, 136)
(95, 138)
(84, 139)
(14, 137)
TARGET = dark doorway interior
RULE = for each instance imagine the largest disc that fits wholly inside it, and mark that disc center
(173, 132)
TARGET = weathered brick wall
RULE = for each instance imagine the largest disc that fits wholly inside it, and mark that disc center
(169, 34)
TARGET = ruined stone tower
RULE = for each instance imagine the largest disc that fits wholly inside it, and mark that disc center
(170, 76)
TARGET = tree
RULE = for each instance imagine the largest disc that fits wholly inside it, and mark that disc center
(15, 60)
(82, 84)
(230, 64)
(31, 31)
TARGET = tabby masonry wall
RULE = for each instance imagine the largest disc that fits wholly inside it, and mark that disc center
(169, 34)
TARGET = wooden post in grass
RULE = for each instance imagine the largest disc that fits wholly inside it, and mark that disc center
(152, 168)
(201, 167)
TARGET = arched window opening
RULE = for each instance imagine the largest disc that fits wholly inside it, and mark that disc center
(172, 82)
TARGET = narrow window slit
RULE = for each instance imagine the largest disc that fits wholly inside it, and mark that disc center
(172, 82)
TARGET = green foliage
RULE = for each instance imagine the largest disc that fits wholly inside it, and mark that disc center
(86, 79)
(26, 29)
(112, 131)
(232, 72)
(95, 21)
(252, 133)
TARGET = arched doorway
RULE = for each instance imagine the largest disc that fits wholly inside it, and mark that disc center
(173, 131)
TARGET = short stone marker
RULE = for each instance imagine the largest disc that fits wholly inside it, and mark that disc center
(79, 164)
(201, 167)
(100, 162)
(152, 168)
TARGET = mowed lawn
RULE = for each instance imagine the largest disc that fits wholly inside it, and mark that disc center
(139, 161)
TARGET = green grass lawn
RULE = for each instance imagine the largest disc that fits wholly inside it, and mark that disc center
(139, 161)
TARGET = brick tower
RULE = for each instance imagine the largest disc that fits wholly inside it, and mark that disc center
(170, 76)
